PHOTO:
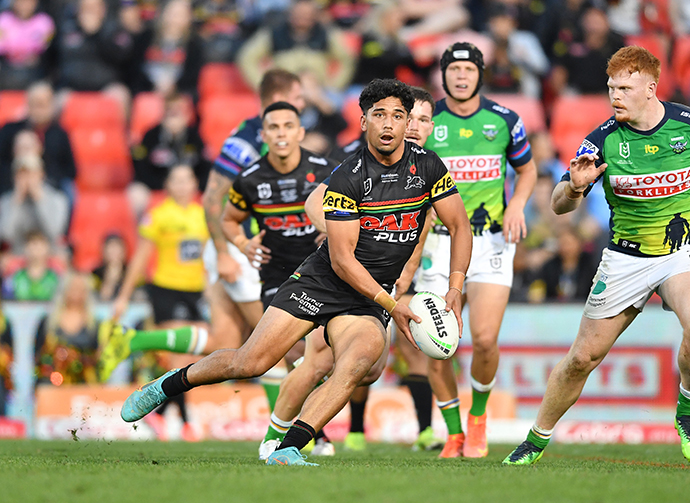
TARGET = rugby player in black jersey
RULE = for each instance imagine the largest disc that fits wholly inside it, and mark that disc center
(373, 228)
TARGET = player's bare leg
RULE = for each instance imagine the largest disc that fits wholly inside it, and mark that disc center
(593, 342)
(487, 303)
(230, 328)
(357, 343)
(675, 291)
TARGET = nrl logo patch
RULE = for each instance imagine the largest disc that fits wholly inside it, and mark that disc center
(624, 149)
(367, 186)
(490, 132)
(441, 132)
(264, 190)
(679, 146)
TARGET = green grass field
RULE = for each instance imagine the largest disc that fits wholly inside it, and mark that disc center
(104, 472)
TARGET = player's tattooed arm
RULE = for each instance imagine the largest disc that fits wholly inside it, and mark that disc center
(568, 195)
(217, 187)
(514, 226)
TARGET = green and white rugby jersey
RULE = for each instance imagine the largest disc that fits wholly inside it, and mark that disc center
(475, 150)
(647, 182)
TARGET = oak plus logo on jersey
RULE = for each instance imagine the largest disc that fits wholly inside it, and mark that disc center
(474, 168)
(392, 228)
(290, 225)
(651, 186)
(441, 132)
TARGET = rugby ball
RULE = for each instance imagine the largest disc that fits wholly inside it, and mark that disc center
(438, 335)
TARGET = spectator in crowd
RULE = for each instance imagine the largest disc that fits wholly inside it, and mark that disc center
(347, 13)
(432, 17)
(66, 339)
(679, 12)
(582, 69)
(501, 74)
(567, 277)
(223, 25)
(320, 117)
(299, 43)
(92, 50)
(25, 36)
(383, 52)
(169, 57)
(516, 49)
(174, 141)
(33, 205)
(6, 358)
(109, 275)
(54, 143)
(562, 26)
(36, 280)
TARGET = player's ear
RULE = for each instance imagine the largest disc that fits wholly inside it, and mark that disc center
(263, 135)
(363, 122)
(651, 89)
(301, 134)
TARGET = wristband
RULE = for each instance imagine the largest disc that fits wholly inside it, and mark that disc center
(386, 301)
(455, 288)
(570, 192)
(458, 272)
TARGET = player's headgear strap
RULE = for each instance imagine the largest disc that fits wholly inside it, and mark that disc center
(463, 51)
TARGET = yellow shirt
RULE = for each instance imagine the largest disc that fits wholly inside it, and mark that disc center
(179, 234)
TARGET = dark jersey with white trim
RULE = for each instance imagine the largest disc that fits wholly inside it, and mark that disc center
(390, 203)
(276, 200)
(241, 149)
(647, 182)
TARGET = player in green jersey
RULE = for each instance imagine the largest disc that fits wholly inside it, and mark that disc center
(476, 138)
(641, 157)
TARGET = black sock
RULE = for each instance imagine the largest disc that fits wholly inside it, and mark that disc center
(299, 435)
(321, 434)
(357, 416)
(182, 405)
(177, 383)
(420, 389)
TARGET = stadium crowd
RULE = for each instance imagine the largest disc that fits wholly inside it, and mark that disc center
(100, 99)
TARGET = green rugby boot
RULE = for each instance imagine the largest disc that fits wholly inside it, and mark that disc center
(145, 399)
(683, 426)
(427, 441)
(115, 338)
(290, 456)
(355, 441)
(525, 454)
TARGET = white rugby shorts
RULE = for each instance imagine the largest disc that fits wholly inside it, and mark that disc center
(623, 280)
(491, 262)
(247, 288)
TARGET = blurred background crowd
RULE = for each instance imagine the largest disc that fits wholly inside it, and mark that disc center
(99, 99)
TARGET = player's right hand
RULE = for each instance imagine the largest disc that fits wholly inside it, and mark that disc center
(402, 315)
(583, 171)
(228, 268)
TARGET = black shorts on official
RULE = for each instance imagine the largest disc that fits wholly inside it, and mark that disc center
(172, 305)
(315, 293)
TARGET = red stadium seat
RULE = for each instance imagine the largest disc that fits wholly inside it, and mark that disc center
(102, 158)
(221, 78)
(573, 118)
(147, 111)
(352, 113)
(656, 44)
(12, 106)
(95, 215)
(681, 63)
(220, 115)
(529, 109)
(93, 110)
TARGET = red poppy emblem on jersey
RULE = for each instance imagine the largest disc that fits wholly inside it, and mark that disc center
(413, 169)
(311, 177)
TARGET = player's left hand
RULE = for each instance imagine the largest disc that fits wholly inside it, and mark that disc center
(514, 226)
(454, 302)
(402, 285)
(402, 315)
(256, 252)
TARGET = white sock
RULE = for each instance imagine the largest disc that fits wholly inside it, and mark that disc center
(482, 388)
(541, 432)
(279, 425)
(201, 340)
